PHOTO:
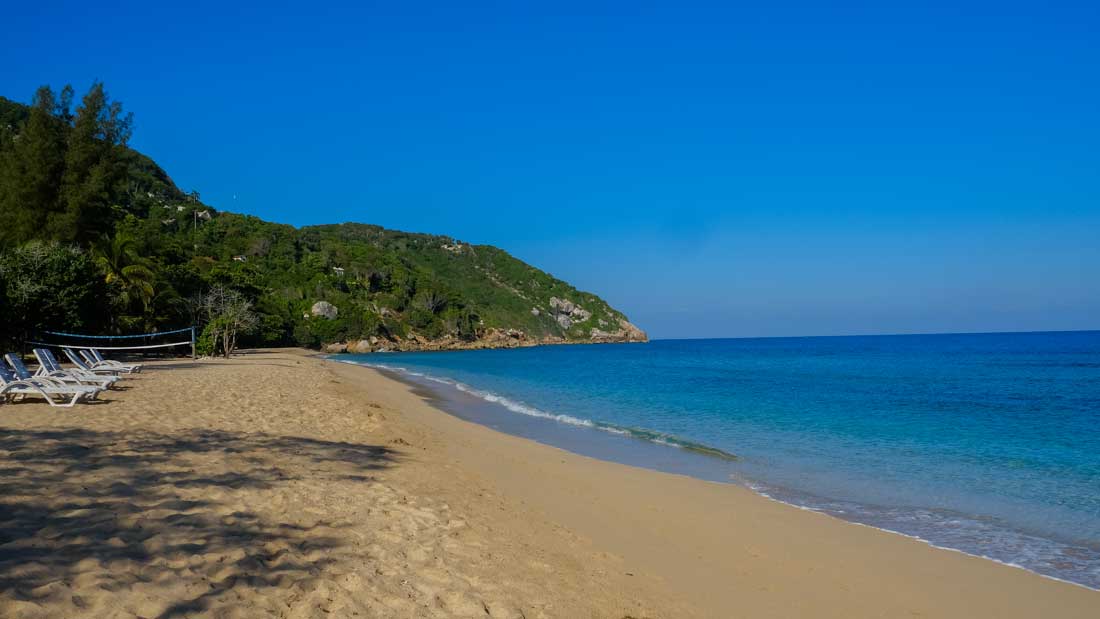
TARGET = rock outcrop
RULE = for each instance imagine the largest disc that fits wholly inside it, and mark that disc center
(630, 332)
(568, 313)
(324, 309)
(561, 306)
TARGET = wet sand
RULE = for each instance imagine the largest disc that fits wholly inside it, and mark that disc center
(278, 484)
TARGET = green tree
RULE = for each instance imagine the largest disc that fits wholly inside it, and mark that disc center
(127, 274)
(47, 286)
(226, 315)
(31, 168)
(94, 170)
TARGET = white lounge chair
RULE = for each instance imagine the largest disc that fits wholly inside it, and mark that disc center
(48, 366)
(88, 370)
(84, 367)
(65, 396)
(57, 381)
(96, 361)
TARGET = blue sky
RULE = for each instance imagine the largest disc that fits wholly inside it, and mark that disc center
(711, 169)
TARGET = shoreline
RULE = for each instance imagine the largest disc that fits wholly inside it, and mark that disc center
(967, 566)
(433, 390)
(441, 401)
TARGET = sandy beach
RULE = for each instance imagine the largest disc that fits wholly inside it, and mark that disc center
(281, 484)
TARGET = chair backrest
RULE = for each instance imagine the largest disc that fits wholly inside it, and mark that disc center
(98, 356)
(75, 359)
(5, 375)
(17, 365)
(86, 356)
(46, 358)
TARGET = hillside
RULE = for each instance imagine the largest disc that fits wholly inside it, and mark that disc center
(389, 289)
(152, 248)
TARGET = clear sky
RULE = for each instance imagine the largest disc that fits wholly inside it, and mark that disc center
(775, 168)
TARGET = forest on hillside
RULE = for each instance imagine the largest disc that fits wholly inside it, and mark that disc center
(98, 239)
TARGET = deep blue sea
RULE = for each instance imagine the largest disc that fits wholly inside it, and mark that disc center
(985, 443)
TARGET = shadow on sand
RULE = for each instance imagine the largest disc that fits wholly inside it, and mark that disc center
(114, 510)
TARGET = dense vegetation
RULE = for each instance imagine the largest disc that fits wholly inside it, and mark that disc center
(97, 238)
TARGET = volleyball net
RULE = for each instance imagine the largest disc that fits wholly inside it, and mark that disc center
(160, 341)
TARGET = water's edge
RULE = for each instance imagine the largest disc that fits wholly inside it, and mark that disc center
(694, 460)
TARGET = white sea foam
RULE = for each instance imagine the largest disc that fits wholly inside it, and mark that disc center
(489, 396)
(531, 411)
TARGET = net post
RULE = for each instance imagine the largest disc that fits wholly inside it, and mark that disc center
(193, 355)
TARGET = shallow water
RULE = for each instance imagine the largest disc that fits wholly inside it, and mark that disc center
(986, 443)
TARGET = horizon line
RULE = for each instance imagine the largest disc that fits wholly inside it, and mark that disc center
(792, 337)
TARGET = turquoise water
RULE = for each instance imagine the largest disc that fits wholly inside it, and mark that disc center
(986, 443)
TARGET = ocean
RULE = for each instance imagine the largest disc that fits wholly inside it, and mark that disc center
(984, 443)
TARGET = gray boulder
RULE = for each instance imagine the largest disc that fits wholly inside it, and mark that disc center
(324, 309)
(561, 306)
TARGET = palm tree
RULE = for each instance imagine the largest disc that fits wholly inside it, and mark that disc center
(126, 271)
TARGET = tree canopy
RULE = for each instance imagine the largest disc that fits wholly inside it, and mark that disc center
(100, 237)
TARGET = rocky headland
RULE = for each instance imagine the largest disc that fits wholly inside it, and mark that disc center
(564, 312)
